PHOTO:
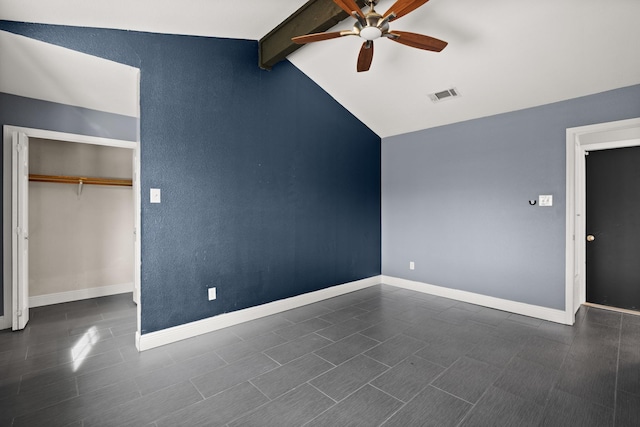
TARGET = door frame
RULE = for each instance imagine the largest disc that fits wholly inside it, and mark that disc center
(581, 140)
(7, 205)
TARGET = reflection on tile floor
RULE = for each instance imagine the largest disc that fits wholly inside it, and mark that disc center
(378, 356)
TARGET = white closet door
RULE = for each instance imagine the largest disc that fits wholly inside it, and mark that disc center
(136, 227)
(20, 224)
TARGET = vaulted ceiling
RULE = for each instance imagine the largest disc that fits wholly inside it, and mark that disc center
(503, 55)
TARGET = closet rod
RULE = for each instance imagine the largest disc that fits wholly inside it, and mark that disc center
(63, 179)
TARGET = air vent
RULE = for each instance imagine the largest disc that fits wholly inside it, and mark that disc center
(444, 95)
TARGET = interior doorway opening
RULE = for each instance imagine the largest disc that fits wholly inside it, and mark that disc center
(16, 212)
(579, 141)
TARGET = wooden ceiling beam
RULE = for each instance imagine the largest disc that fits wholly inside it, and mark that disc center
(314, 17)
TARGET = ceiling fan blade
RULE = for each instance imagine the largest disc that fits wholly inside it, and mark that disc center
(418, 41)
(365, 57)
(317, 37)
(349, 6)
(402, 7)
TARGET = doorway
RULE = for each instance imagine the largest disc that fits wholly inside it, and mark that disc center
(613, 228)
(579, 141)
(15, 259)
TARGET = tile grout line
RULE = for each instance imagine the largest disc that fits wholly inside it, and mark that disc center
(337, 402)
(615, 389)
(316, 388)
(403, 404)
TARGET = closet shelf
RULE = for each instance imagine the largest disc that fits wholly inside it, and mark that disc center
(63, 179)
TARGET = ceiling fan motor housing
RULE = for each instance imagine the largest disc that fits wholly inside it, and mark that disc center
(372, 30)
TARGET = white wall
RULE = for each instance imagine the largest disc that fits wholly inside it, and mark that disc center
(38, 70)
(79, 242)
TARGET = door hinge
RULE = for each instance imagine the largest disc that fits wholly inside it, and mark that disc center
(19, 313)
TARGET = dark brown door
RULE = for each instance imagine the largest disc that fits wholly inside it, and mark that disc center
(613, 227)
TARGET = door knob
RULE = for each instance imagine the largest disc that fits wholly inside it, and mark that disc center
(591, 238)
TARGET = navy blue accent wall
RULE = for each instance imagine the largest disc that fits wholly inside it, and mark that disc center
(270, 188)
(35, 113)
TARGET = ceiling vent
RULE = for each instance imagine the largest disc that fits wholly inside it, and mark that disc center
(444, 95)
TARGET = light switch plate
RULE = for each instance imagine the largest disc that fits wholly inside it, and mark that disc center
(154, 195)
(212, 294)
(545, 200)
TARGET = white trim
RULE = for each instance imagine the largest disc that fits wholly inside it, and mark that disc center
(579, 140)
(5, 322)
(79, 294)
(7, 241)
(536, 311)
(71, 137)
(189, 330)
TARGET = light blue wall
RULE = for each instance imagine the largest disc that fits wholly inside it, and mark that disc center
(36, 113)
(455, 199)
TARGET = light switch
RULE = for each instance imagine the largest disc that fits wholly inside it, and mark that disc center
(545, 200)
(155, 195)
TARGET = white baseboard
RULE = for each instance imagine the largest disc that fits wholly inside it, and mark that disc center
(5, 322)
(544, 313)
(79, 294)
(189, 330)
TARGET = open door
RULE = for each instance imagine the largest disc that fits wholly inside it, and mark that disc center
(582, 140)
(20, 226)
(136, 228)
(613, 228)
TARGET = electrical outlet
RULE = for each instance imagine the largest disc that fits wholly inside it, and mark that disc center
(412, 265)
(212, 294)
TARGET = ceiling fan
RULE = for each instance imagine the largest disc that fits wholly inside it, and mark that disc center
(372, 25)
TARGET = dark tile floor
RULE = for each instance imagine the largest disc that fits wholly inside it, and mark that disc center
(379, 356)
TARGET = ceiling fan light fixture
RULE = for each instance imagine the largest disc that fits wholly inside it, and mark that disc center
(370, 33)
(372, 26)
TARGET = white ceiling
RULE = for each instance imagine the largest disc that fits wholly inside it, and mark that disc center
(503, 55)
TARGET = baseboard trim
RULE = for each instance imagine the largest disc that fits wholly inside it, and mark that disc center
(79, 294)
(543, 313)
(199, 327)
(5, 322)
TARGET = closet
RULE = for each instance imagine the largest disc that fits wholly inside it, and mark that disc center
(81, 221)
